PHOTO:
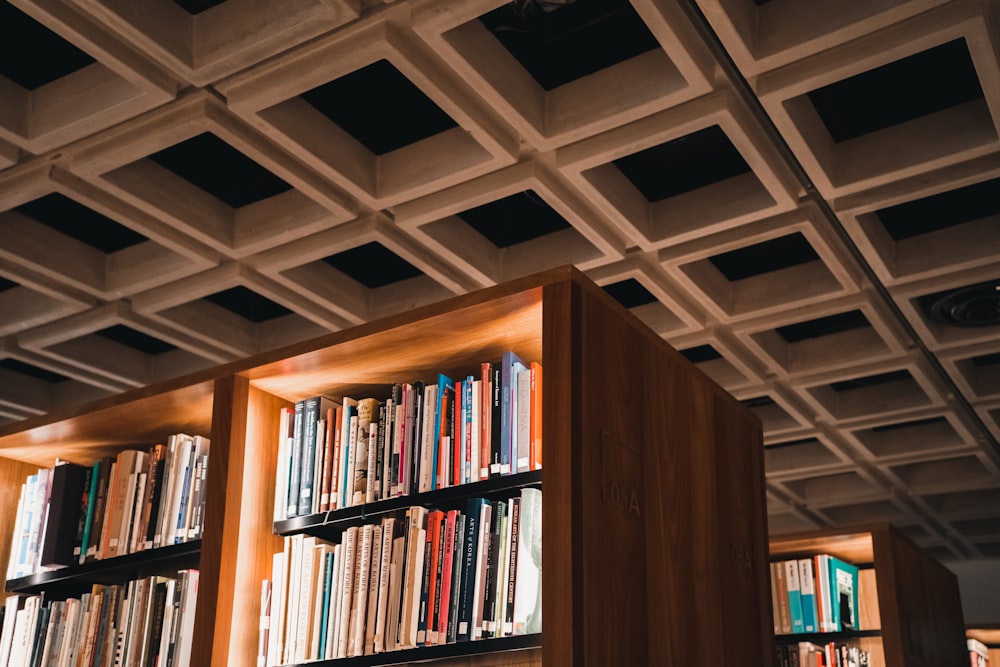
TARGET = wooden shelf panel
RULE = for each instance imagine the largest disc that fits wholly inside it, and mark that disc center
(327, 525)
(441, 652)
(854, 547)
(111, 570)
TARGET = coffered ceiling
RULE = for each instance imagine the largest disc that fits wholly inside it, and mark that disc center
(803, 196)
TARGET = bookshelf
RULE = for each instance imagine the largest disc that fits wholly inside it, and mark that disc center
(989, 635)
(679, 577)
(910, 609)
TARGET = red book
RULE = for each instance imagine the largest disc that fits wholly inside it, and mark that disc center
(486, 372)
(326, 473)
(433, 537)
(535, 416)
(447, 568)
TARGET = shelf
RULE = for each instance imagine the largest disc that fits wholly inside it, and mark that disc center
(329, 523)
(440, 652)
(111, 570)
(825, 637)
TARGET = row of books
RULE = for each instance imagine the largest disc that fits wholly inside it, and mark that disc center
(144, 623)
(814, 594)
(422, 578)
(829, 654)
(336, 453)
(133, 501)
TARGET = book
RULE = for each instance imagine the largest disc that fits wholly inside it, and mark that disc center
(12, 605)
(843, 594)
(779, 581)
(470, 556)
(513, 552)
(444, 383)
(349, 544)
(313, 409)
(345, 491)
(447, 565)
(389, 535)
(807, 589)
(359, 611)
(63, 514)
(416, 543)
(188, 603)
(497, 520)
(794, 594)
(508, 393)
(821, 569)
(427, 629)
(88, 517)
(495, 421)
(528, 591)
(295, 460)
(458, 555)
(485, 429)
(374, 579)
(535, 430)
(367, 410)
(479, 584)
(522, 431)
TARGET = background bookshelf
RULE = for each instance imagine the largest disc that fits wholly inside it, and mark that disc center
(904, 594)
(989, 635)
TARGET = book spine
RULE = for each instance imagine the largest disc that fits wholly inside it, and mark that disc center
(295, 460)
(307, 458)
(326, 473)
(468, 580)
(515, 537)
(535, 437)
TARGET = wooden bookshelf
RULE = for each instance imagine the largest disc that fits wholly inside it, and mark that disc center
(679, 577)
(909, 598)
(989, 635)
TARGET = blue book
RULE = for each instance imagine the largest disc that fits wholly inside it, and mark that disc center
(295, 461)
(794, 595)
(843, 595)
(508, 391)
(470, 557)
(443, 383)
(807, 587)
(325, 615)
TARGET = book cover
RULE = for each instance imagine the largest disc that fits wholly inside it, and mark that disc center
(349, 543)
(389, 535)
(794, 595)
(807, 588)
(843, 594)
(458, 553)
(444, 383)
(535, 435)
(443, 612)
(367, 411)
(513, 553)
(485, 429)
(784, 611)
(313, 409)
(528, 592)
(497, 519)
(374, 581)
(495, 420)
(295, 460)
(522, 431)
(508, 392)
(416, 543)
(479, 585)
(328, 486)
(821, 568)
(345, 491)
(64, 514)
(470, 556)
(457, 439)
(88, 520)
(427, 630)
(359, 611)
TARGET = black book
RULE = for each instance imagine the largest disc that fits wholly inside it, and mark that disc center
(469, 558)
(40, 630)
(456, 578)
(425, 588)
(495, 420)
(97, 522)
(394, 481)
(416, 424)
(156, 627)
(295, 462)
(492, 570)
(64, 514)
(156, 474)
(380, 451)
(515, 520)
(81, 522)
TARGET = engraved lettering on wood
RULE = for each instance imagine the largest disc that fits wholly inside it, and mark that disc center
(620, 475)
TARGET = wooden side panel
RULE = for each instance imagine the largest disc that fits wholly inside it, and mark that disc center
(670, 481)
(925, 623)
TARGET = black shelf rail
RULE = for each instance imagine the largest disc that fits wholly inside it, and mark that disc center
(112, 570)
(438, 652)
(326, 523)
(825, 637)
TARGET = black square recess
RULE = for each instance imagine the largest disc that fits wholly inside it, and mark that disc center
(380, 108)
(757, 402)
(31, 55)
(915, 86)
(911, 424)
(373, 265)
(32, 371)
(7, 284)
(248, 304)
(198, 6)
(871, 381)
(81, 223)
(630, 293)
(558, 43)
(220, 170)
(975, 305)
(780, 253)
(823, 326)
(984, 360)
(697, 355)
(136, 340)
(514, 219)
(930, 214)
(683, 164)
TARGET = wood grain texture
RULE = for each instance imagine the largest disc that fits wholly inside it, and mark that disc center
(868, 611)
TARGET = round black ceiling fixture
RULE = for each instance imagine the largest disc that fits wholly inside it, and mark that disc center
(976, 306)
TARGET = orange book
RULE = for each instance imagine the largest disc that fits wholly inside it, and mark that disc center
(535, 437)
(434, 520)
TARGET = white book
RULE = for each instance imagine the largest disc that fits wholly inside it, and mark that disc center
(523, 415)
(426, 462)
(386, 480)
(528, 588)
(359, 613)
(476, 469)
(378, 639)
(318, 461)
(347, 590)
(74, 614)
(306, 582)
(372, 477)
(24, 625)
(281, 474)
(189, 601)
(15, 541)
(53, 634)
(343, 459)
(331, 623)
(397, 448)
(395, 593)
(169, 482)
(276, 605)
(373, 586)
(413, 577)
(479, 581)
(320, 558)
(293, 590)
(11, 606)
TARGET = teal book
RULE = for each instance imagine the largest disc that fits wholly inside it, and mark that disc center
(807, 589)
(843, 594)
(794, 595)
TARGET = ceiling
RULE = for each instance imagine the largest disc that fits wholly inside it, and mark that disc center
(803, 196)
